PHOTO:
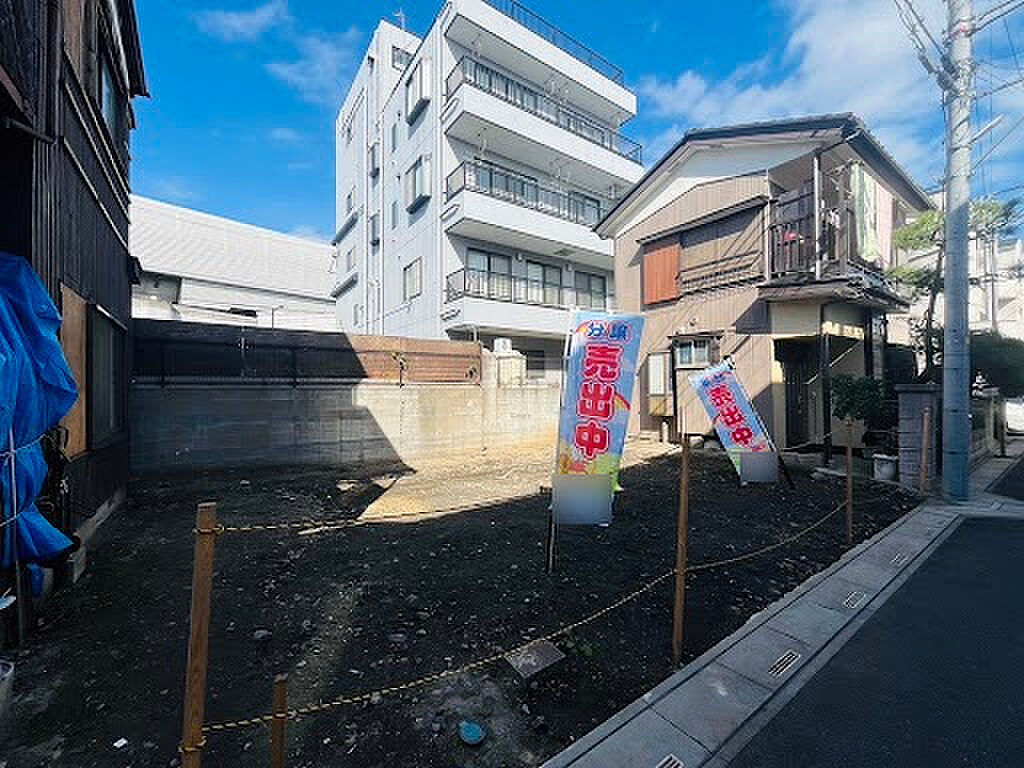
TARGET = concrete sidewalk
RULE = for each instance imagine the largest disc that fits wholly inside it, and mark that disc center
(868, 663)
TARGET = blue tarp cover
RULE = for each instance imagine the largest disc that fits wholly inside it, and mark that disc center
(36, 390)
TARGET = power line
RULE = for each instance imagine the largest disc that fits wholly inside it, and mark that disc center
(996, 12)
(996, 144)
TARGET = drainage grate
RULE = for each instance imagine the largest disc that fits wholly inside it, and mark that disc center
(854, 599)
(783, 663)
(670, 761)
(900, 559)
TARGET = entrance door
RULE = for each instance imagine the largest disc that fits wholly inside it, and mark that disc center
(796, 374)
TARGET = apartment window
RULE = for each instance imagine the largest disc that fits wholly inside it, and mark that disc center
(394, 214)
(412, 279)
(348, 133)
(106, 378)
(591, 290)
(394, 135)
(535, 367)
(417, 90)
(489, 275)
(357, 314)
(543, 284)
(374, 229)
(417, 183)
(350, 260)
(350, 201)
(693, 353)
(373, 158)
(400, 58)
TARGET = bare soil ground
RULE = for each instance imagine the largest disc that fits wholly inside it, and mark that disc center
(354, 610)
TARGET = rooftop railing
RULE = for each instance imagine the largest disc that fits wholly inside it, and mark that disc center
(528, 98)
(544, 28)
(505, 184)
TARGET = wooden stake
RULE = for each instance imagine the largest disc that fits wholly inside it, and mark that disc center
(849, 483)
(192, 740)
(926, 434)
(684, 513)
(277, 725)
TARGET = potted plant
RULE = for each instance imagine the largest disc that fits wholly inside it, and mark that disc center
(865, 399)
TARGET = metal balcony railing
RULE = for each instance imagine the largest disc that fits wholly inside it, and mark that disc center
(544, 28)
(517, 289)
(506, 184)
(532, 100)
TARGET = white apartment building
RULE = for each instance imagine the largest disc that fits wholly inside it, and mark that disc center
(207, 269)
(472, 165)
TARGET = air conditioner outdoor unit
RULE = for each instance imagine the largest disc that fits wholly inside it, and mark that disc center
(503, 346)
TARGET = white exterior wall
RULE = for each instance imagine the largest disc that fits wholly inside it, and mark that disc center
(207, 268)
(423, 234)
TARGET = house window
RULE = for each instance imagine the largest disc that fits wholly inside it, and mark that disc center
(417, 90)
(412, 277)
(417, 183)
(693, 353)
(350, 259)
(660, 270)
(106, 378)
(400, 58)
(591, 290)
(657, 374)
(110, 98)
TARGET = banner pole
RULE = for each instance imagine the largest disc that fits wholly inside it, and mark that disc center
(277, 725)
(681, 529)
(926, 428)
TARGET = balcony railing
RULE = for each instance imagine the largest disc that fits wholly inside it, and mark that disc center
(528, 98)
(792, 252)
(517, 289)
(505, 184)
(551, 33)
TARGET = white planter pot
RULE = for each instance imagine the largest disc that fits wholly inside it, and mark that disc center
(886, 467)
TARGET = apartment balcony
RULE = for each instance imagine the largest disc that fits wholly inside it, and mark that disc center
(484, 105)
(493, 302)
(489, 203)
(519, 40)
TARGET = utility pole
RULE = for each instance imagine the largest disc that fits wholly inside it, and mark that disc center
(956, 369)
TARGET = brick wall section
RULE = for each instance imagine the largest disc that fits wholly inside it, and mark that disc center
(231, 424)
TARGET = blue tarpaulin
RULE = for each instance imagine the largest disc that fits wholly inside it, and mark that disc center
(36, 390)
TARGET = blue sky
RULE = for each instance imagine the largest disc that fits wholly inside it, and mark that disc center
(244, 92)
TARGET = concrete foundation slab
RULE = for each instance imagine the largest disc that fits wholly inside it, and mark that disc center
(807, 621)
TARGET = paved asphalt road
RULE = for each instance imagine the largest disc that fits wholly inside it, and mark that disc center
(934, 678)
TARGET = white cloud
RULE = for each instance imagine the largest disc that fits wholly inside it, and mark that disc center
(320, 68)
(237, 26)
(173, 188)
(310, 233)
(846, 55)
(284, 135)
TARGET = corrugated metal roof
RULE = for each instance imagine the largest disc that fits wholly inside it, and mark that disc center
(172, 240)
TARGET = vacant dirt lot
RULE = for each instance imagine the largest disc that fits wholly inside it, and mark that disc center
(353, 610)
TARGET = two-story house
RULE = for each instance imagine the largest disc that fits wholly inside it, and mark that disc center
(472, 165)
(768, 242)
(69, 70)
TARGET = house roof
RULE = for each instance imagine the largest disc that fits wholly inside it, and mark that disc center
(844, 127)
(132, 48)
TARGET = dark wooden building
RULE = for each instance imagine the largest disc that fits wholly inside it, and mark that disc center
(69, 70)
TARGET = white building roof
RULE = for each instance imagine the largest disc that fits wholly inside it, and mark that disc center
(172, 240)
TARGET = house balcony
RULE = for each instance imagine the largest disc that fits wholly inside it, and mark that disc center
(488, 203)
(797, 269)
(485, 106)
(518, 40)
(492, 302)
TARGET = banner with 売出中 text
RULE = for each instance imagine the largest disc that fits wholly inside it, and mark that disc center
(732, 414)
(599, 372)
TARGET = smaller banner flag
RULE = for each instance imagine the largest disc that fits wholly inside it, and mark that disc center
(599, 374)
(732, 414)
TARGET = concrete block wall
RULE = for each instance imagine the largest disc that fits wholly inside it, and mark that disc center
(210, 425)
